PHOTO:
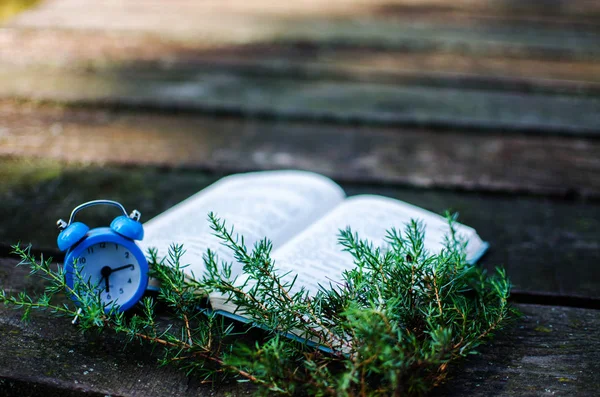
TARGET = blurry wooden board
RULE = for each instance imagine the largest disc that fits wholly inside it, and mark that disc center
(550, 350)
(93, 50)
(381, 23)
(548, 246)
(536, 10)
(462, 65)
(394, 36)
(259, 95)
(499, 162)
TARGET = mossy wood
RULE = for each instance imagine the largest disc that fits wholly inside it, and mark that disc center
(532, 237)
(550, 349)
(491, 162)
(488, 108)
(289, 98)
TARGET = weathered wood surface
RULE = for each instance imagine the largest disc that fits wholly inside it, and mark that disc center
(579, 11)
(355, 22)
(93, 50)
(550, 351)
(539, 240)
(220, 91)
(497, 162)
(367, 62)
(50, 357)
(385, 96)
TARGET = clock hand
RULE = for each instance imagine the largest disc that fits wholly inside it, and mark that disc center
(105, 272)
(122, 268)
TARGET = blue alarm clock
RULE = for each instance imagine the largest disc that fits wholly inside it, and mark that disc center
(106, 257)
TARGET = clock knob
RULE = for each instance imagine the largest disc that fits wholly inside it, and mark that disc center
(61, 224)
(135, 215)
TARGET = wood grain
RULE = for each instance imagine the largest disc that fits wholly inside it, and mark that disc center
(223, 92)
(503, 26)
(50, 357)
(94, 50)
(498, 162)
(541, 8)
(551, 349)
(547, 246)
(490, 108)
(521, 41)
(497, 66)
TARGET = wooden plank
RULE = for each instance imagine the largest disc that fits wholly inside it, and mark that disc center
(527, 8)
(96, 50)
(575, 13)
(547, 246)
(89, 51)
(551, 349)
(332, 23)
(215, 91)
(545, 11)
(353, 54)
(450, 159)
(51, 357)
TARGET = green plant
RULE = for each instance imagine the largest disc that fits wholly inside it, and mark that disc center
(399, 318)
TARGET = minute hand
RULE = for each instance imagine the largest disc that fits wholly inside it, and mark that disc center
(122, 268)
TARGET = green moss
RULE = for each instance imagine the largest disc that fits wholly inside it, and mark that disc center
(541, 328)
(586, 224)
(17, 172)
(35, 193)
(9, 8)
(576, 323)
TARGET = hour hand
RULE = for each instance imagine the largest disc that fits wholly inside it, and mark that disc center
(107, 283)
(123, 268)
(105, 272)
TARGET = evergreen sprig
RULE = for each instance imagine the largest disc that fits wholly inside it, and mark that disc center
(392, 327)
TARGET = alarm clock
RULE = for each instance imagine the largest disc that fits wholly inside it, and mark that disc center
(107, 258)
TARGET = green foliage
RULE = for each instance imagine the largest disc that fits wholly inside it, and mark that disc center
(392, 327)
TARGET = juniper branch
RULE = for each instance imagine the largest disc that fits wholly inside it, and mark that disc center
(392, 326)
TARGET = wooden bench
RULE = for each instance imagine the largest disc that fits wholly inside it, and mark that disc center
(490, 109)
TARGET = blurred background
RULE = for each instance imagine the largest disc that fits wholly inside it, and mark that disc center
(490, 108)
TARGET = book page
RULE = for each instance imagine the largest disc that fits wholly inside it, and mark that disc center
(273, 204)
(317, 258)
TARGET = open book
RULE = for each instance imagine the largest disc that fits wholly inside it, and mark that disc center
(302, 214)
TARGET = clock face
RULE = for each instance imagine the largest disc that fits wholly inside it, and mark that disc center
(112, 269)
